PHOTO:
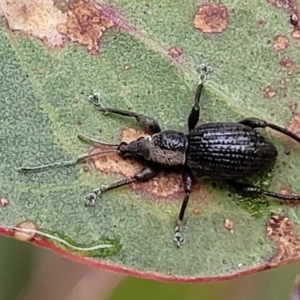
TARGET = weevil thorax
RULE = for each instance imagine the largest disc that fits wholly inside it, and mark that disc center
(167, 148)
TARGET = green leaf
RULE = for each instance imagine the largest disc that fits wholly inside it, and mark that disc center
(144, 57)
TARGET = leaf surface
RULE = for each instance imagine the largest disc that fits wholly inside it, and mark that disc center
(143, 57)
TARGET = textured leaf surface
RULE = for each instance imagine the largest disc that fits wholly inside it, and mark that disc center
(143, 56)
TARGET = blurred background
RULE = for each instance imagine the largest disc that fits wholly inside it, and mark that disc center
(31, 273)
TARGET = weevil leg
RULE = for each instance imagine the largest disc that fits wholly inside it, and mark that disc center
(195, 112)
(144, 175)
(187, 179)
(258, 123)
(150, 124)
(255, 191)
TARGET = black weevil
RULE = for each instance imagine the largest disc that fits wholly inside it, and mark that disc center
(223, 150)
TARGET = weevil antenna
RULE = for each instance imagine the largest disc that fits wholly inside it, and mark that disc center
(94, 142)
(65, 163)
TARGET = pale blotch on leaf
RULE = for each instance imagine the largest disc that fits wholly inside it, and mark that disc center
(293, 106)
(269, 92)
(196, 211)
(25, 231)
(211, 18)
(85, 24)
(131, 134)
(229, 225)
(126, 67)
(280, 42)
(286, 62)
(175, 52)
(4, 202)
(36, 18)
(296, 34)
(281, 231)
(294, 124)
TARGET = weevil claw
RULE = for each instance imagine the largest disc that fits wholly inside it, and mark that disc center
(204, 70)
(178, 237)
(90, 199)
(95, 99)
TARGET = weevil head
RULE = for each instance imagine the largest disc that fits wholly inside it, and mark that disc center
(137, 148)
(166, 148)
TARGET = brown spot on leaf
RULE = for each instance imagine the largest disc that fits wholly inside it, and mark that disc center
(269, 92)
(296, 34)
(294, 124)
(63, 5)
(261, 22)
(281, 230)
(25, 231)
(211, 18)
(283, 81)
(130, 134)
(229, 224)
(280, 42)
(166, 184)
(85, 24)
(289, 5)
(293, 106)
(36, 18)
(286, 62)
(175, 52)
(4, 202)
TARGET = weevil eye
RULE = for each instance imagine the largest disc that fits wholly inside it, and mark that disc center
(123, 148)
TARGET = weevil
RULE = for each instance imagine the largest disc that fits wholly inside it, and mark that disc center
(229, 151)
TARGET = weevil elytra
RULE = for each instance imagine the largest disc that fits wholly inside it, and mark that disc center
(229, 151)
